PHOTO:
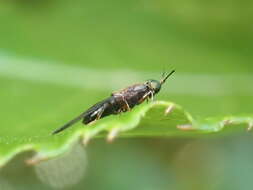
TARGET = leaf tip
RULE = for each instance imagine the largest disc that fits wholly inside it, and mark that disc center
(35, 160)
(86, 140)
(227, 122)
(185, 127)
(168, 110)
(250, 126)
(112, 135)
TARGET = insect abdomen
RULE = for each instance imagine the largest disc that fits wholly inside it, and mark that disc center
(106, 107)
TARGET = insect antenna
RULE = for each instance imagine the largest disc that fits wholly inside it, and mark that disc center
(166, 77)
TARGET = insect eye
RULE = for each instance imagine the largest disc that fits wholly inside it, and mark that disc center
(148, 83)
(155, 85)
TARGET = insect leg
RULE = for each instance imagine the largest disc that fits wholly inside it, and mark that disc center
(99, 112)
(127, 105)
(124, 100)
(147, 95)
(152, 96)
(95, 115)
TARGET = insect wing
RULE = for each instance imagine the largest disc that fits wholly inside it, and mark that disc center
(73, 121)
(96, 111)
(87, 116)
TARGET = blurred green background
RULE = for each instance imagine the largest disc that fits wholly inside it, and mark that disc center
(58, 57)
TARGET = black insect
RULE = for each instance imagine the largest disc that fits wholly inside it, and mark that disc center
(121, 101)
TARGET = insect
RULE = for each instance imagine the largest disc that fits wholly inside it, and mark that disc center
(120, 101)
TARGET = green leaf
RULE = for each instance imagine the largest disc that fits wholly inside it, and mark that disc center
(110, 48)
(155, 119)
